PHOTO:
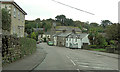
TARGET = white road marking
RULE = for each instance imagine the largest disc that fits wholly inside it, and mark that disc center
(83, 66)
(68, 57)
(78, 70)
(73, 62)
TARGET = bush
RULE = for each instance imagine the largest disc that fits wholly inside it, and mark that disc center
(28, 45)
(14, 48)
(92, 46)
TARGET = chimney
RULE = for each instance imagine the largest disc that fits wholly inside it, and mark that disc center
(73, 31)
(64, 31)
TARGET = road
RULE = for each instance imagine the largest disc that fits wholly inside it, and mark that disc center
(61, 58)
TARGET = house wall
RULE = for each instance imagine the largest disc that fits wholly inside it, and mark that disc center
(17, 20)
(61, 41)
(67, 42)
(73, 41)
(55, 41)
(86, 40)
(80, 43)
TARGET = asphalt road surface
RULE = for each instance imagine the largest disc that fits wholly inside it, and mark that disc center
(61, 58)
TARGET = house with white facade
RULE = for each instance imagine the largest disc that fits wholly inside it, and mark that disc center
(77, 40)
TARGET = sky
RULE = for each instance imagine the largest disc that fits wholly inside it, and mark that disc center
(45, 9)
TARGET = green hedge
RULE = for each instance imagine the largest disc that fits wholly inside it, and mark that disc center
(14, 48)
(28, 46)
(92, 46)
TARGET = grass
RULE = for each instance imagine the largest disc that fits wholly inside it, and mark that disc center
(57, 27)
(103, 50)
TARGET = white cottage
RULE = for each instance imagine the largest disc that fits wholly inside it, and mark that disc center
(77, 40)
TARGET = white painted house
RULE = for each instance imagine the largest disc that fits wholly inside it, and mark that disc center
(55, 39)
(77, 40)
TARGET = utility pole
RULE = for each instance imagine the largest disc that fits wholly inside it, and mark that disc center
(0, 38)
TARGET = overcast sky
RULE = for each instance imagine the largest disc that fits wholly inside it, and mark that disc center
(44, 9)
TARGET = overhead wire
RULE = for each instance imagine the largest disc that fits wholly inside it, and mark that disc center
(73, 7)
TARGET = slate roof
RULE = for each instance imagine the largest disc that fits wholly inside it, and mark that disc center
(68, 28)
(82, 35)
(63, 34)
(15, 4)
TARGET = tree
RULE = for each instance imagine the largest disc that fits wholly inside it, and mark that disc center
(105, 23)
(101, 41)
(94, 24)
(69, 22)
(33, 35)
(6, 20)
(112, 32)
(93, 33)
(47, 25)
(61, 18)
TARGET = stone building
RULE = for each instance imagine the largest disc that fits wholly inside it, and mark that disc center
(17, 17)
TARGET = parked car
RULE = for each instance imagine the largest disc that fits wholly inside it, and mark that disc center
(50, 43)
(40, 41)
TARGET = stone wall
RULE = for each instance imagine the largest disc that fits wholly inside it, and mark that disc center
(14, 48)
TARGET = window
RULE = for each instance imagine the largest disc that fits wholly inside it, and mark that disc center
(69, 39)
(18, 15)
(22, 17)
(14, 12)
(75, 39)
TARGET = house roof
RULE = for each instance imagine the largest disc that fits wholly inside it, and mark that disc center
(67, 28)
(15, 4)
(56, 34)
(63, 34)
(82, 35)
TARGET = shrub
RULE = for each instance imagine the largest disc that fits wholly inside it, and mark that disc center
(92, 46)
(28, 45)
(14, 48)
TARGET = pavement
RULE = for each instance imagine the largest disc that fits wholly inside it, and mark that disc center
(28, 62)
(106, 54)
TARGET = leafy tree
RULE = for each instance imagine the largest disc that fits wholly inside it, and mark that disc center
(6, 20)
(101, 41)
(61, 18)
(94, 24)
(105, 23)
(33, 35)
(92, 35)
(112, 32)
(47, 25)
(69, 22)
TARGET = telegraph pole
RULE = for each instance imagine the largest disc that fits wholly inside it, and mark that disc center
(0, 38)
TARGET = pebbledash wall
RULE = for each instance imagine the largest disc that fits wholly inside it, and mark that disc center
(17, 17)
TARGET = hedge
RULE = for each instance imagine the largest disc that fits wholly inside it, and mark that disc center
(14, 48)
